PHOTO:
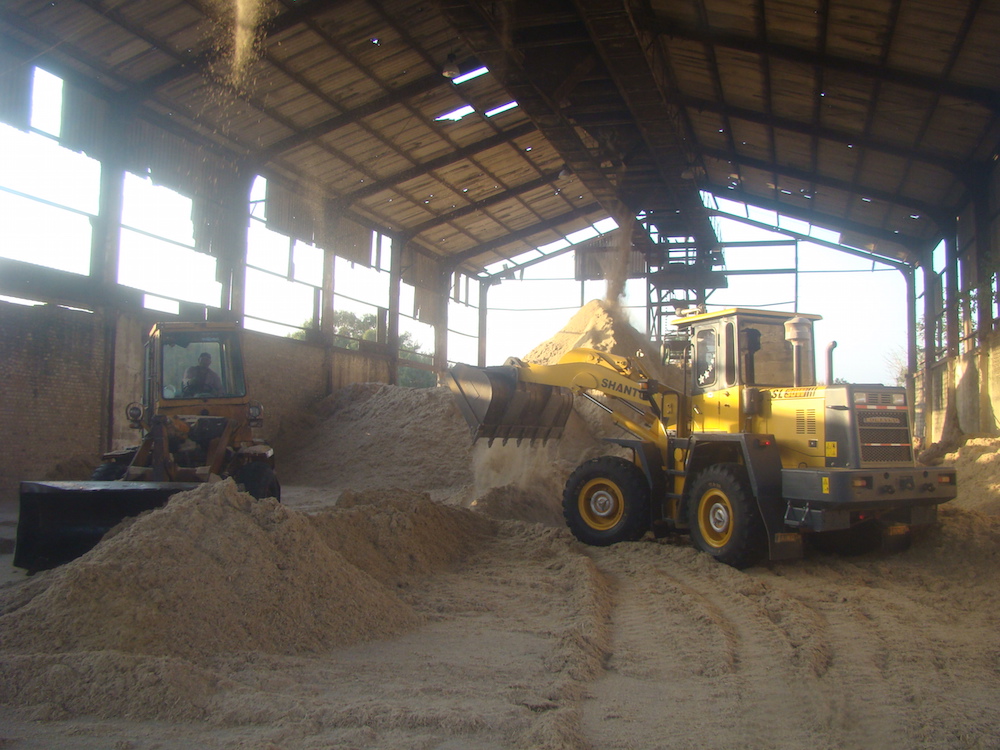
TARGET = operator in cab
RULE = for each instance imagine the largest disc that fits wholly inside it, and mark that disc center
(201, 378)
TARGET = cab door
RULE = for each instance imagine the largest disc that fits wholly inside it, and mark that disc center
(715, 391)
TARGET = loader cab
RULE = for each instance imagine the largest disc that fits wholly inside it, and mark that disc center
(737, 349)
(172, 348)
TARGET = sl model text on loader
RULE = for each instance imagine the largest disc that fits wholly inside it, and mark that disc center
(751, 458)
(196, 421)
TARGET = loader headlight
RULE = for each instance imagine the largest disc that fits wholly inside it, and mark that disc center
(134, 412)
(256, 413)
(860, 398)
(899, 399)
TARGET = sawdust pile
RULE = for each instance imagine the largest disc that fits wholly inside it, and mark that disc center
(978, 465)
(380, 436)
(373, 435)
(604, 326)
(217, 572)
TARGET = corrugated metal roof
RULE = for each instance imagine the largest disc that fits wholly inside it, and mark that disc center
(878, 117)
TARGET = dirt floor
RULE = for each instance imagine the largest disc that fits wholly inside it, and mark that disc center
(414, 591)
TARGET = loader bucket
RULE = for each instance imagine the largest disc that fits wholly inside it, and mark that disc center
(496, 404)
(59, 521)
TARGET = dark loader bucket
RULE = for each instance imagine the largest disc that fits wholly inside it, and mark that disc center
(59, 521)
(498, 405)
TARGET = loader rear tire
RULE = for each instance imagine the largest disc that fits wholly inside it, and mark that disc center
(723, 515)
(606, 501)
(259, 480)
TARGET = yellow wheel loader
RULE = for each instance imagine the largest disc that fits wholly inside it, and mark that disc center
(751, 458)
(196, 425)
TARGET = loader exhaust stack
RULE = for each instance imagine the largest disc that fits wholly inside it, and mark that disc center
(496, 404)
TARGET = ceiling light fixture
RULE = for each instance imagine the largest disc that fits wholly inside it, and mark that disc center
(450, 69)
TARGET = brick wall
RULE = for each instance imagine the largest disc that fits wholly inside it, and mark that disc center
(66, 377)
(288, 377)
(53, 391)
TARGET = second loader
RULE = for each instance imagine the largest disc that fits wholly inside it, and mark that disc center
(196, 423)
(751, 458)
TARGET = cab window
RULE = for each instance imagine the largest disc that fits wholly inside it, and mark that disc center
(201, 367)
(706, 345)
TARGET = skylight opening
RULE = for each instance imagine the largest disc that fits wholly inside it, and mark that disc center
(606, 225)
(456, 114)
(46, 103)
(553, 247)
(501, 108)
(583, 234)
(470, 75)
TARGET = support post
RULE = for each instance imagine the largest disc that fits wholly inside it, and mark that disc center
(951, 310)
(484, 289)
(106, 235)
(441, 323)
(326, 325)
(984, 264)
(931, 292)
(229, 239)
(392, 327)
(911, 335)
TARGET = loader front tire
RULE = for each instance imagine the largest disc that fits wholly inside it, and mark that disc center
(259, 480)
(606, 501)
(723, 515)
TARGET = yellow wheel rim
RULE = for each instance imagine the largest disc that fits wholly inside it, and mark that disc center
(601, 504)
(715, 518)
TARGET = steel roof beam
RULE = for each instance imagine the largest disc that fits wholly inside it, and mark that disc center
(479, 205)
(934, 212)
(988, 98)
(828, 221)
(522, 235)
(957, 168)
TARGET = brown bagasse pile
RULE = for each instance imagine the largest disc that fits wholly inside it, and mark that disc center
(374, 435)
(217, 572)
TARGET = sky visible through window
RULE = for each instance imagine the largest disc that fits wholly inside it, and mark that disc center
(49, 197)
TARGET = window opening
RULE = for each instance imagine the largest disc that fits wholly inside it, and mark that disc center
(705, 358)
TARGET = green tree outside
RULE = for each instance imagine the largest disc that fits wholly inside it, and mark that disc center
(349, 329)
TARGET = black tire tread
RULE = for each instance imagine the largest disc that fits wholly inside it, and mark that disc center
(259, 480)
(634, 487)
(748, 544)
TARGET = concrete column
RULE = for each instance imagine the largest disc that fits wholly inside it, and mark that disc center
(229, 238)
(392, 324)
(484, 288)
(952, 312)
(326, 326)
(911, 333)
(106, 236)
(985, 266)
(929, 344)
(441, 324)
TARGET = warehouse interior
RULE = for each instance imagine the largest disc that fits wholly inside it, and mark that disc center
(446, 147)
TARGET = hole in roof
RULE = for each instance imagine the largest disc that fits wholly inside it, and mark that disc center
(501, 108)
(456, 114)
(470, 75)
